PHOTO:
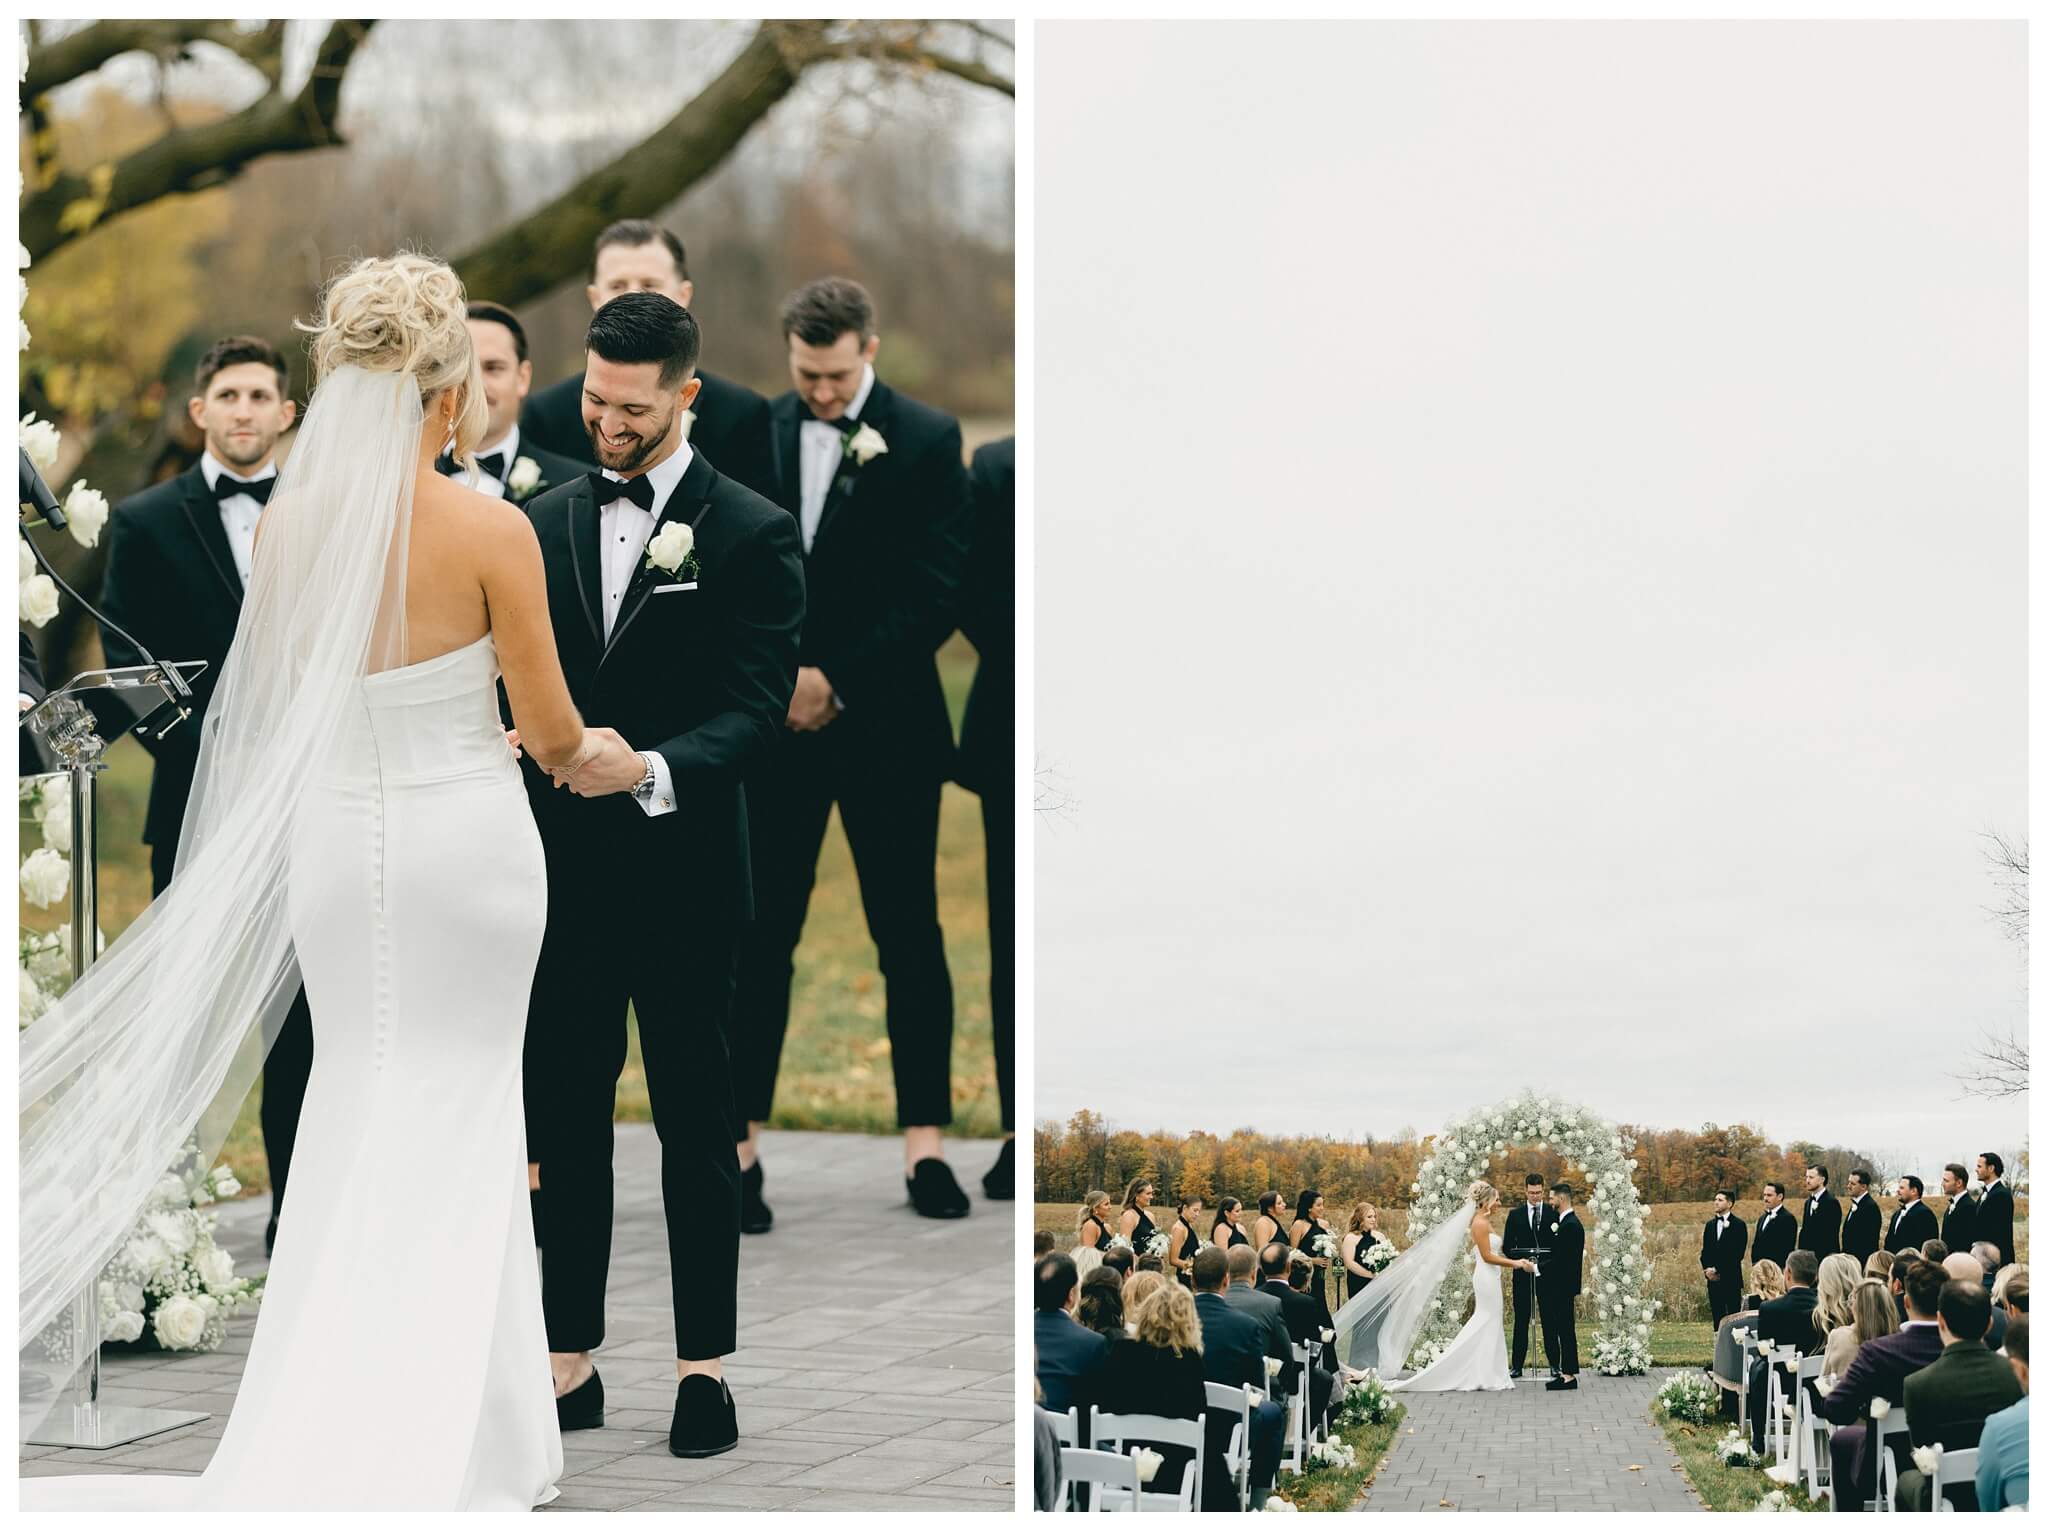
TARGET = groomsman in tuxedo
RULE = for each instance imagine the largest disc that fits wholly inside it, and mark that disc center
(1913, 1224)
(1820, 1229)
(509, 467)
(1777, 1231)
(879, 488)
(987, 761)
(1527, 1237)
(1564, 1268)
(1992, 1223)
(1958, 1223)
(727, 421)
(178, 559)
(682, 648)
(1721, 1246)
(1863, 1228)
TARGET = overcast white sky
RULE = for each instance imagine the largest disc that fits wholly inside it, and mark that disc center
(1531, 557)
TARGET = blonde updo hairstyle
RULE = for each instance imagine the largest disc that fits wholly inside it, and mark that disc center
(1481, 1194)
(405, 313)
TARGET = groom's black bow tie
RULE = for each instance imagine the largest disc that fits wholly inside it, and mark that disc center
(846, 425)
(638, 490)
(227, 486)
(493, 465)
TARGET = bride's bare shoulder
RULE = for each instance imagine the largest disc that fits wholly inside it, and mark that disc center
(446, 507)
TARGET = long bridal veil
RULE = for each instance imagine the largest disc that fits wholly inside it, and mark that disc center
(141, 1068)
(1377, 1328)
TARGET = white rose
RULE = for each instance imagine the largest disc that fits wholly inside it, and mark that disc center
(864, 444)
(216, 1269)
(225, 1183)
(125, 1326)
(1149, 1463)
(25, 561)
(671, 545)
(85, 511)
(689, 418)
(57, 832)
(38, 599)
(170, 1192)
(147, 1255)
(45, 877)
(175, 1229)
(55, 798)
(1925, 1458)
(1879, 1407)
(21, 330)
(128, 1296)
(180, 1324)
(525, 474)
(40, 439)
(32, 1000)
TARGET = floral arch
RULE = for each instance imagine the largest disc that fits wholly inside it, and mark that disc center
(1619, 1274)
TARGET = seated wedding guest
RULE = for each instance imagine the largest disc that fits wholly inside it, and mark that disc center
(1182, 1241)
(1243, 1294)
(1948, 1400)
(1041, 1243)
(1068, 1356)
(1786, 1322)
(1987, 1257)
(1234, 1350)
(1298, 1312)
(2002, 1448)
(1831, 1293)
(1913, 1223)
(1766, 1281)
(1301, 1277)
(1879, 1370)
(1879, 1265)
(1934, 1250)
(1228, 1229)
(1046, 1479)
(1120, 1260)
(1158, 1370)
(1090, 1231)
(1872, 1315)
(1961, 1267)
(1134, 1223)
(1901, 1263)
(1085, 1260)
(1139, 1287)
(1267, 1226)
(2014, 1297)
(1100, 1307)
(1358, 1241)
(1151, 1263)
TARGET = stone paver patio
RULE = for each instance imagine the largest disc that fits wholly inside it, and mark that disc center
(875, 1367)
(1594, 1449)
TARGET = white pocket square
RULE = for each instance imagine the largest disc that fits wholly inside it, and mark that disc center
(665, 589)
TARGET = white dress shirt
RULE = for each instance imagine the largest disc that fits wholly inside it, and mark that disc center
(622, 532)
(819, 450)
(239, 513)
(485, 484)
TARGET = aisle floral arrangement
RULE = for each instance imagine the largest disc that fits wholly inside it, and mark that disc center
(171, 1287)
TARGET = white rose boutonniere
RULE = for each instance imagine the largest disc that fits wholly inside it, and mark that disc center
(38, 599)
(865, 444)
(673, 549)
(688, 418)
(524, 477)
(86, 512)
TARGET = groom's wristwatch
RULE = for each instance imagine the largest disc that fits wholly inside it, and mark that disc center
(645, 789)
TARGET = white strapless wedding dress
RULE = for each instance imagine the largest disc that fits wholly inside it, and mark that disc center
(1476, 1360)
(400, 1358)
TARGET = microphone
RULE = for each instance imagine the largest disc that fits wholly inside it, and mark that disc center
(37, 493)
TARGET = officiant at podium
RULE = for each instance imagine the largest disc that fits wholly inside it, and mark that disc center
(1527, 1236)
(178, 559)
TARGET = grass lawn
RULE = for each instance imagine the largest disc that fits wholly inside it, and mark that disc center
(1720, 1486)
(835, 1062)
(1339, 1488)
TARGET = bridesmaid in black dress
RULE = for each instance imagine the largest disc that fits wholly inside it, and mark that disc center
(1183, 1241)
(1308, 1228)
(1091, 1232)
(1365, 1225)
(1134, 1224)
(1267, 1230)
(1229, 1230)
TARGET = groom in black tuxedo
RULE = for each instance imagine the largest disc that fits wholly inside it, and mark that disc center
(730, 424)
(879, 490)
(676, 597)
(1527, 1237)
(178, 558)
(1558, 1291)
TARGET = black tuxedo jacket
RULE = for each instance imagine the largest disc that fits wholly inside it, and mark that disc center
(702, 676)
(555, 469)
(988, 615)
(1520, 1238)
(1863, 1229)
(1992, 1223)
(1777, 1235)
(1910, 1227)
(171, 581)
(1820, 1229)
(1788, 1320)
(1564, 1268)
(1233, 1343)
(731, 427)
(1303, 1318)
(1723, 1251)
(883, 576)
(1959, 1223)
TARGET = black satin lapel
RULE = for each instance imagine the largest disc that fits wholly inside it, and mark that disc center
(788, 469)
(687, 504)
(879, 415)
(203, 512)
(584, 557)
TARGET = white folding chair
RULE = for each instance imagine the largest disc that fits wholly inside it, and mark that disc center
(1951, 1468)
(1881, 1432)
(1746, 1342)
(1127, 1432)
(1067, 1426)
(1809, 1429)
(1236, 1403)
(1294, 1454)
(1111, 1478)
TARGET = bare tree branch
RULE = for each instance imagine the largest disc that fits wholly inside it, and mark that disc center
(2000, 1068)
(193, 159)
(905, 44)
(81, 52)
(2008, 859)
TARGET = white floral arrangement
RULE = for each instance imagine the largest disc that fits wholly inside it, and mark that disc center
(1275, 1504)
(1120, 1241)
(1323, 1247)
(1773, 1503)
(1156, 1245)
(1734, 1450)
(1619, 1275)
(43, 957)
(1368, 1402)
(1426, 1353)
(1333, 1453)
(1378, 1255)
(1927, 1458)
(1689, 1396)
(171, 1279)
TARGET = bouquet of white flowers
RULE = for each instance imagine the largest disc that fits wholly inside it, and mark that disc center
(1333, 1453)
(170, 1286)
(1378, 1255)
(1119, 1241)
(1774, 1502)
(1156, 1245)
(1368, 1402)
(1690, 1396)
(1734, 1450)
(1323, 1247)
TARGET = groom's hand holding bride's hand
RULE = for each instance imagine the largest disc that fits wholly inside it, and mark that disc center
(606, 764)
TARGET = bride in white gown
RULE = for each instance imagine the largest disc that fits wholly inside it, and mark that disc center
(1377, 1328)
(358, 818)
